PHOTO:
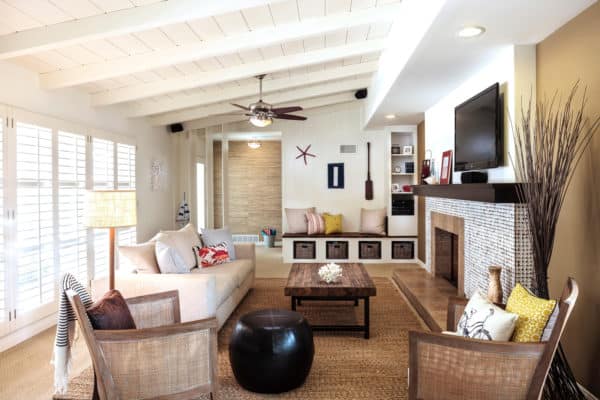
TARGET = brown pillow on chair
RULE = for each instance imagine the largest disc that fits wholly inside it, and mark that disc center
(111, 312)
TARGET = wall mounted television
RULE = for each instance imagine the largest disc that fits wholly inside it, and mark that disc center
(478, 132)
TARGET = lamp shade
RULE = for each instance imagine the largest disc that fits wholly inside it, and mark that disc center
(110, 208)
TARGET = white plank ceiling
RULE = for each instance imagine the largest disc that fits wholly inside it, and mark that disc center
(173, 70)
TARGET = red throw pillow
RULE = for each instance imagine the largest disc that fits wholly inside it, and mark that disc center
(212, 255)
(111, 312)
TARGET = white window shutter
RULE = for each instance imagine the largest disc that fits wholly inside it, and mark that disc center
(126, 181)
(71, 200)
(35, 269)
(103, 155)
(3, 269)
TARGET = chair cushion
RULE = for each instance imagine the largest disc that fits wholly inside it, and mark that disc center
(316, 223)
(212, 255)
(372, 221)
(483, 320)
(111, 312)
(333, 223)
(213, 237)
(169, 259)
(142, 257)
(296, 219)
(533, 313)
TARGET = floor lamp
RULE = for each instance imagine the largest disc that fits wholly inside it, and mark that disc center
(110, 209)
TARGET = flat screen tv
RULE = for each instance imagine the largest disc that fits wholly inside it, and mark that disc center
(477, 131)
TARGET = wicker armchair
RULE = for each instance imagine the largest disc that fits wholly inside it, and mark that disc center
(453, 367)
(163, 358)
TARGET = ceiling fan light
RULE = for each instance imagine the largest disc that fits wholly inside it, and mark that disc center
(254, 144)
(261, 121)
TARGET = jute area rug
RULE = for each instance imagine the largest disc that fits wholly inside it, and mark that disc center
(345, 366)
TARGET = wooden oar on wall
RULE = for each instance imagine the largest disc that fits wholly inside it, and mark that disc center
(369, 182)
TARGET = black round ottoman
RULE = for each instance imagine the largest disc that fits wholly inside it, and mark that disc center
(271, 351)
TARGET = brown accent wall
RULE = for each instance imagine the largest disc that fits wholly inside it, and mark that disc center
(421, 200)
(571, 53)
(254, 187)
(217, 184)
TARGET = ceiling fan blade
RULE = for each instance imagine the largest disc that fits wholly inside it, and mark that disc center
(290, 116)
(239, 106)
(285, 110)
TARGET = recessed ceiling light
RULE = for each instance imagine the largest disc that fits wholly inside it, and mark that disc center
(390, 116)
(471, 31)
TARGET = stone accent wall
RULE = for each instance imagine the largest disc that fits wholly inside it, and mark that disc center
(495, 234)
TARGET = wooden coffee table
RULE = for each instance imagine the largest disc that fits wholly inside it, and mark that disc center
(304, 283)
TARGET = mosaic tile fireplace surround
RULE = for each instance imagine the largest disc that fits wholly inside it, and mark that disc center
(494, 234)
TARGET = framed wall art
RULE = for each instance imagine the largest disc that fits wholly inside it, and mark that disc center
(335, 176)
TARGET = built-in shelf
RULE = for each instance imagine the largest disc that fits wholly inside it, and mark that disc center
(403, 155)
(402, 192)
(484, 192)
(402, 174)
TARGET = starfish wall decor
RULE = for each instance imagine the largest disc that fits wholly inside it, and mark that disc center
(304, 153)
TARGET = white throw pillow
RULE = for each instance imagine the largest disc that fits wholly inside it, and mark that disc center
(483, 320)
(372, 221)
(296, 219)
(184, 240)
(169, 259)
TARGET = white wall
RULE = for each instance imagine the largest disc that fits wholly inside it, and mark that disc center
(514, 69)
(19, 88)
(325, 130)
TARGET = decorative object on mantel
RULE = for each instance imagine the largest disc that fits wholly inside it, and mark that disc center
(431, 180)
(446, 172)
(335, 176)
(368, 182)
(330, 273)
(550, 139)
(494, 293)
(304, 153)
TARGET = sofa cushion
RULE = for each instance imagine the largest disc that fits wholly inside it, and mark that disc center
(142, 257)
(210, 256)
(169, 259)
(533, 313)
(238, 270)
(226, 283)
(213, 237)
(483, 320)
(184, 240)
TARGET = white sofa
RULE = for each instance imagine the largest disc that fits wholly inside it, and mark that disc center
(205, 292)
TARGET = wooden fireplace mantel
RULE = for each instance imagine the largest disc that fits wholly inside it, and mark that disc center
(484, 192)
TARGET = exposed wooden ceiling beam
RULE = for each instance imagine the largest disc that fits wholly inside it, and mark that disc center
(213, 48)
(116, 23)
(140, 91)
(307, 104)
(217, 95)
(276, 99)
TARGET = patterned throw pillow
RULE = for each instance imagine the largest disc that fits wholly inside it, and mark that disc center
(212, 255)
(333, 223)
(316, 224)
(533, 313)
(483, 320)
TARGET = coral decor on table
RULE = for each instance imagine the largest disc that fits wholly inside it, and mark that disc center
(330, 273)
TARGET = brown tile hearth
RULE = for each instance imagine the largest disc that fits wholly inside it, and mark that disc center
(442, 257)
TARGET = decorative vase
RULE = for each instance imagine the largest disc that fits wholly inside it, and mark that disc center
(495, 287)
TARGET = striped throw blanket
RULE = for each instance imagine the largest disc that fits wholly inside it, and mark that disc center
(65, 331)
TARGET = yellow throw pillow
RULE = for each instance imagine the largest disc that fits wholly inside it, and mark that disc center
(533, 314)
(333, 223)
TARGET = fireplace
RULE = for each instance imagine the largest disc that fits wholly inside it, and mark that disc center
(447, 249)
(446, 256)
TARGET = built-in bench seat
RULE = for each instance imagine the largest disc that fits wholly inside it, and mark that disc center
(348, 247)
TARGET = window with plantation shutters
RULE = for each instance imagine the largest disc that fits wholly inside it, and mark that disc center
(72, 234)
(3, 270)
(103, 156)
(35, 275)
(126, 181)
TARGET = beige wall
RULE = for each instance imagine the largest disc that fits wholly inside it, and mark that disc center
(572, 53)
(253, 186)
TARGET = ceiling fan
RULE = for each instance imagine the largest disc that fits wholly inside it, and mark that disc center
(261, 113)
